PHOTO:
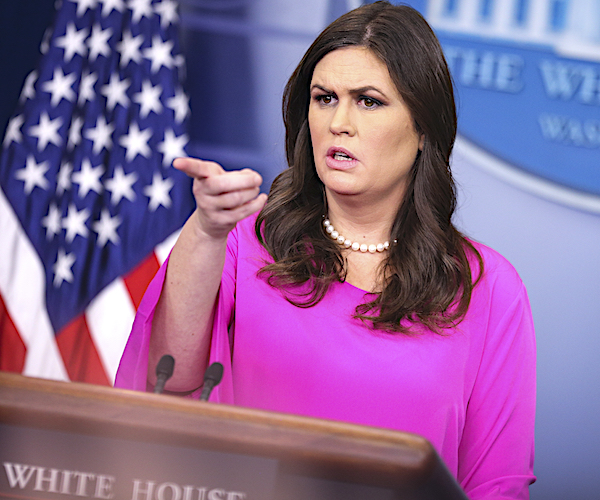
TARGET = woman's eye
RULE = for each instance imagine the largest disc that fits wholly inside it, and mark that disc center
(324, 99)
(369, 102)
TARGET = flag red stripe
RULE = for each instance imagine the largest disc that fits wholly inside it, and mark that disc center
(79, 353)
(139, 278)
(12, 347)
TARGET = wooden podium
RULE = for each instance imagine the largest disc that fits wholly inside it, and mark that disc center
(63, 440)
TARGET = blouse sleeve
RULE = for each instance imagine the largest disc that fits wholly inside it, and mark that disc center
(133, 367)
(497, 447)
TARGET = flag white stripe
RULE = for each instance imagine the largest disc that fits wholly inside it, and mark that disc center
(22, 284)
(109, 318)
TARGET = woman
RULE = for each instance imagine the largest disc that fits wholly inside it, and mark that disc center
(398, 322)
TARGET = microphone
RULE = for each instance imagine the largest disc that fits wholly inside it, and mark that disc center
(212, 377)
(164, 370)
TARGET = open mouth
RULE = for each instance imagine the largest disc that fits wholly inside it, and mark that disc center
(340, 159)
(338, 155)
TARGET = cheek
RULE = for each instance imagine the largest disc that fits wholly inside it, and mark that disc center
(403, 142)
(386, 145)
(314, 128)
(394, 153)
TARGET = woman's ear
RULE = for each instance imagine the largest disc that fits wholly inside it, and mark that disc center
(421, 142)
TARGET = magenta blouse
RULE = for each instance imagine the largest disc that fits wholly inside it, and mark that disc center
(471, 392)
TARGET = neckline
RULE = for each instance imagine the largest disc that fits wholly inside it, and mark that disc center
(358, 289)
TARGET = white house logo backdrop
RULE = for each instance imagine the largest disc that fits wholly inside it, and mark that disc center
(527, 74)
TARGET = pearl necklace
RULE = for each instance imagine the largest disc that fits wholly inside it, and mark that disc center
(356, 246)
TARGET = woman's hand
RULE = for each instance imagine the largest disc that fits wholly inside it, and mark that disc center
(223, 198)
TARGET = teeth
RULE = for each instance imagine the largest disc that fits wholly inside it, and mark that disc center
(341, 156)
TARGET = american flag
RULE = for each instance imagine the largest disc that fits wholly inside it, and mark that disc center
(89, 201)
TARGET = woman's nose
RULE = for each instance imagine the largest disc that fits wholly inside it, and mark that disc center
(342, 120)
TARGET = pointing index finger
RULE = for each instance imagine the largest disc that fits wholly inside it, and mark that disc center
(200, 169)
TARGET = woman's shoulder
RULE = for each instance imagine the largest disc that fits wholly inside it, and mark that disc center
(497, 269)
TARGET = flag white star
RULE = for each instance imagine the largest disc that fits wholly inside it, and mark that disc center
(98, 42)
(88, 178)
(100, 135)
(121, 185)
(13, 130)
(86, 87)
(172, 147)
(75, 132)
(158, 192)
(115, 92)
(136, 142)
(179, 103)
(84, 5)
(73, 42)
(46, 131)
(140, 8)
(129, 48)
(33, 174)
(74, 223)
(159, 54)
(167, 10)
(62, 268)
(106, 228)
(63, 179)
(109, 5)
(60, 87)
(28, 91)
(149, 99)
(52, 221)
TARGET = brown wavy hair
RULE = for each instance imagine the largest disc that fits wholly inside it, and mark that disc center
(426, 276)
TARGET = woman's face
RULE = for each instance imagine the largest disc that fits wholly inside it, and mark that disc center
(363, 136)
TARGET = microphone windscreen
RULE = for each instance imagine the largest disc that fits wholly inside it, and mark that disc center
(165, 366)
(214, 373)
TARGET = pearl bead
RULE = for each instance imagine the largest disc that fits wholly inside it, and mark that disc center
(341, 240)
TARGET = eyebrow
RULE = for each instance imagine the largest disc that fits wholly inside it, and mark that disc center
(358, 91)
